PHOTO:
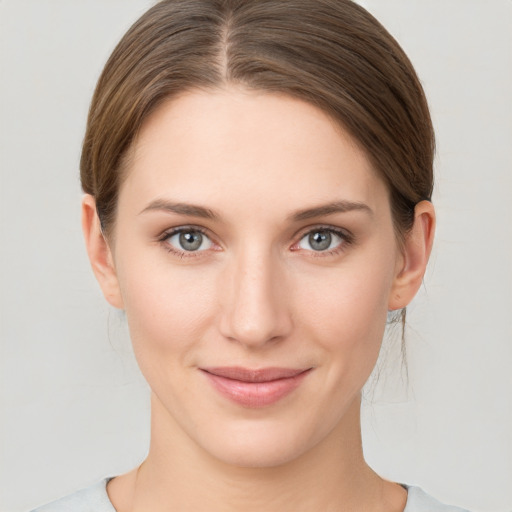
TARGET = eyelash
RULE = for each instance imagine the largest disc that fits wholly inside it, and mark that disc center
(347, 239)
(176, 231)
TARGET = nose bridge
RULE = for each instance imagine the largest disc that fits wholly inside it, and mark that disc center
(255, 310)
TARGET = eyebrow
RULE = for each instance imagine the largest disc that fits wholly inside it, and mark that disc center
(330, 209)
(191, 210)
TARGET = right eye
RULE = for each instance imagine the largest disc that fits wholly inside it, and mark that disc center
(188, 240)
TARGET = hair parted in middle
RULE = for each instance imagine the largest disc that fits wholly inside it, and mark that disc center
(330, 53)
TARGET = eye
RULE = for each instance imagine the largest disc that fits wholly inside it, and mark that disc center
(188, 240)
(320, 240)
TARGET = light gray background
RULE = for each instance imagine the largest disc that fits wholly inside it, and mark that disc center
(73, 406)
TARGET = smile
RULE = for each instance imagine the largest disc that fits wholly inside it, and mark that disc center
(255, 388)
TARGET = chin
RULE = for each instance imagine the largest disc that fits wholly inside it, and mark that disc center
(266, 442)
(258, 448)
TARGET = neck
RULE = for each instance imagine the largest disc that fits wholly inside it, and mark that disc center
(177, 475)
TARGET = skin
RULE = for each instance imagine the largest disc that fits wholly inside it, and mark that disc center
(256, 294)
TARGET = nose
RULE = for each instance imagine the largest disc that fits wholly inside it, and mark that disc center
(255, 309)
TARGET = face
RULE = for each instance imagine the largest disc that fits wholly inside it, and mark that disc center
(256, 259)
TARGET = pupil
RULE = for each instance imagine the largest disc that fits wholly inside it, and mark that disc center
(320, 240)
(191, 240)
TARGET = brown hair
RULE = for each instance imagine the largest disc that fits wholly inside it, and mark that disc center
(331, 53)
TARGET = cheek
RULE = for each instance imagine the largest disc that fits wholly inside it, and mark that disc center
(347, 316)
(167, 311)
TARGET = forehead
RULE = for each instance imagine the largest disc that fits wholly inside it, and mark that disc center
(238, 147)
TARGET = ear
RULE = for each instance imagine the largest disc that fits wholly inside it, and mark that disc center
(416, 251)
(100, 254)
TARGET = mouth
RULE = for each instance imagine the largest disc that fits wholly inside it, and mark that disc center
(255, 388)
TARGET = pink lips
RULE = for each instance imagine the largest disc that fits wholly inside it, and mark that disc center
(255, 388)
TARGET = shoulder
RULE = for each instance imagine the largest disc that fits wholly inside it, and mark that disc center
(94, 498)
(419, 501)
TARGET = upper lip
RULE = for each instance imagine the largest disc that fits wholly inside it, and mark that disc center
(254, 375)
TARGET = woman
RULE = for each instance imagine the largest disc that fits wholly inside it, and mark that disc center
(257, 179)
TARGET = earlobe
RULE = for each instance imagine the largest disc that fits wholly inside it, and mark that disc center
(100, 255)
(416, 251)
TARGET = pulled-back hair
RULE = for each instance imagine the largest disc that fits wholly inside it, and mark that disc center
(330, 53)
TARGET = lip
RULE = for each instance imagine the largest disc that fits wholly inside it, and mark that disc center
(255, 388)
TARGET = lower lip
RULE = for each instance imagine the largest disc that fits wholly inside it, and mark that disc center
(255, 394)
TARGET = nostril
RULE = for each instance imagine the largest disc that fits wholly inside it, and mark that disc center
(255, 323)
(253, 310)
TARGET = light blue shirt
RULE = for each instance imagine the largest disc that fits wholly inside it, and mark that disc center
(95, 499)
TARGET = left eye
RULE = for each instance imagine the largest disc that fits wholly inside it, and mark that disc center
(320, 240)
(190, 240)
